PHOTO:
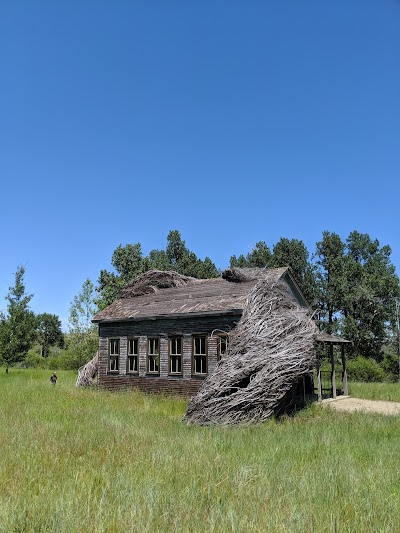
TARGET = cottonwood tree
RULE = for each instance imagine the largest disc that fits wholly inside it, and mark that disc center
(17, 325)
(48, 332)
(240, 261)
(286, 253)
(128, 263)
(357, 286)
(82, 309)
(331, 279)
(260, 256)
(82, 341)
(294, 254)
(186, 262)
(176, 249)
(371, 288)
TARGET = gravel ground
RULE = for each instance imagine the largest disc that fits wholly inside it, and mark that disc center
(346, 403)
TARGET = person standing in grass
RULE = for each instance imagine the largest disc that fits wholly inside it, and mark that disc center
(53, 378)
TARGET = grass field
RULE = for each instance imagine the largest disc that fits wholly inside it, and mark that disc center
(76, 460)
(376, 391)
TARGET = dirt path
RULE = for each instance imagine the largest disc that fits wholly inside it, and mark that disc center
(346, 403)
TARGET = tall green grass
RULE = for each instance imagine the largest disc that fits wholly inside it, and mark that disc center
(91, 461)
(376, 391)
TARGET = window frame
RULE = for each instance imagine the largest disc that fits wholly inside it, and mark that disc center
(170, 355)
(220, 337)
(194, 355)
(150, 355)
(133, 356)
(114, 356)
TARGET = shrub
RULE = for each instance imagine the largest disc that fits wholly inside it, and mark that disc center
(34, 360)
(363, 369)
(390, 365)
(390, 361)
(80, 350)
(70, 360)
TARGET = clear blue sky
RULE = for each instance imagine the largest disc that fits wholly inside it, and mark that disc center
(231, 121)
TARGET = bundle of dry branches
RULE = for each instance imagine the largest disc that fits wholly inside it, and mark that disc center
(271, 349)
(87, 374)
(152, 281)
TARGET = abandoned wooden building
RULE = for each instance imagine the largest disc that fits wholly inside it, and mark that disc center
(244, 346)
(167, 332)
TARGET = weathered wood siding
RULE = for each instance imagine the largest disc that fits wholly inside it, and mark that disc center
(185, 384)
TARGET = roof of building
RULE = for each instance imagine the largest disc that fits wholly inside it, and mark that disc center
(330, 339)
(190, 296)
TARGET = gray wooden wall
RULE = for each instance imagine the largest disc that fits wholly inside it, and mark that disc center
(184, 384)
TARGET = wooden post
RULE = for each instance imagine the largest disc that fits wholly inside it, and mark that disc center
(319, 380)
(333, 375)
(344, 377)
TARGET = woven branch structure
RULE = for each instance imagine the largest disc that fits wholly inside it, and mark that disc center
(152, 281)
(269, 352)
(87, 374)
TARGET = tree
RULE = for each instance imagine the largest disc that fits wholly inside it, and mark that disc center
(17, 326)
(181, 259)
(83, 309)
(206, 269)
(294, 254)
(369, 299)
(331, 281)
(259, 257)
(129, 262)
(176, 249)
(156, 260)
(48, 331)
(357, 289)
(240, 262)
(286, 252)
(109, 285)
(82, 341)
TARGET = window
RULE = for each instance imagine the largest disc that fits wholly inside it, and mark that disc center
(175, 355)
(200, 355)
(113, 355)
(153, 356)
(132, 361)
(222, 345)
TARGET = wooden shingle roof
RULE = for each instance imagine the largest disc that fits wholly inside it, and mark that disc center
(210, 296)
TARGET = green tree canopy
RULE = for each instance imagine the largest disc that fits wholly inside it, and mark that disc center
(352, 283)
(357, 288)
(18, 325)
(286, 253)
(82, 309)
(260, 256)
(371, 288)
(239, 261)
(48, 332)
(128, 262)
(294, 254)
(331, 281)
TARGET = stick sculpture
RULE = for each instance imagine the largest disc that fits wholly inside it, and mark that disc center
(269, 351)
(87, 374)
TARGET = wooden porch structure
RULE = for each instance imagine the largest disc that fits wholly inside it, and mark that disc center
(325, 340)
